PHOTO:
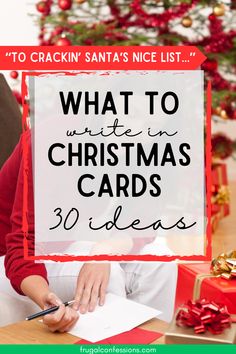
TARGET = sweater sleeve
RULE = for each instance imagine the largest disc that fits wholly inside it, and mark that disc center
(8, 181)
(18, 267)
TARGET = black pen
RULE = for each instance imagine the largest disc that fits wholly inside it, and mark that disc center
(46, 312)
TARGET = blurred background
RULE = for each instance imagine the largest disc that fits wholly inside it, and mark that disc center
(19, 25)
(210, 25)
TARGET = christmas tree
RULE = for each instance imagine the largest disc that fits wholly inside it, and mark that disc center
(209, 25)
(206, 24)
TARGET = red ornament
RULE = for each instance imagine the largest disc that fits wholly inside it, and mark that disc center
(57, 31)
(204, 315)
(46, 42)
(65, 4)
(233, 5)
(218, 82)
(88, 41)
(17, 96)
(228, 108)
(222, 146)
(14, 74)
(211, 17)
(63, 42)
(210, 65)
(43, 7)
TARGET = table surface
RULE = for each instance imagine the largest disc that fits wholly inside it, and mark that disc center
(34, 332)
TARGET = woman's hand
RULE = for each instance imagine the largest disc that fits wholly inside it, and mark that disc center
(91, 286)
(61, 320)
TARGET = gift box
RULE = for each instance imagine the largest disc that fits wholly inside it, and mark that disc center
(216, 216)
(219, 174)
(220, 190)
(185, 335)
(195, 281)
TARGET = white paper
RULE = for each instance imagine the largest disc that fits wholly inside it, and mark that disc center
(118, 315)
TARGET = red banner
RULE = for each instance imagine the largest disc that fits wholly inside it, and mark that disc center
(100, 58)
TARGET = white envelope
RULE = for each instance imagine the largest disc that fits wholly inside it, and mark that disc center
(118, 315)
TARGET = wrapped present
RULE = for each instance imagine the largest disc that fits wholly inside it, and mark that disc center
(220, 190)
(201, 322)
(215, 219)
(195, 281)
(224, 265)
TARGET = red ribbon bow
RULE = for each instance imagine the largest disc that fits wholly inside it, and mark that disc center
(204, 315)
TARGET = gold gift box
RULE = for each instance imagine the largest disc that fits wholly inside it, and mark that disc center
(186, 335)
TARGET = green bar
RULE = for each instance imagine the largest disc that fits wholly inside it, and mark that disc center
(118, 349)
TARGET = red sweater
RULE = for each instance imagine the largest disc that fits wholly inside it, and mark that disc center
(11, 235)
(11, 208)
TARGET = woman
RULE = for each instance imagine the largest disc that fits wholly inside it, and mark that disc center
(50, 284)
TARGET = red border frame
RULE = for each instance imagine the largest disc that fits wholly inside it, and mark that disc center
(120, 258)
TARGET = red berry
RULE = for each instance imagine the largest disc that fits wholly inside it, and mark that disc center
(63, 42)
(65, 4)
(14, 74)
(43, 7)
